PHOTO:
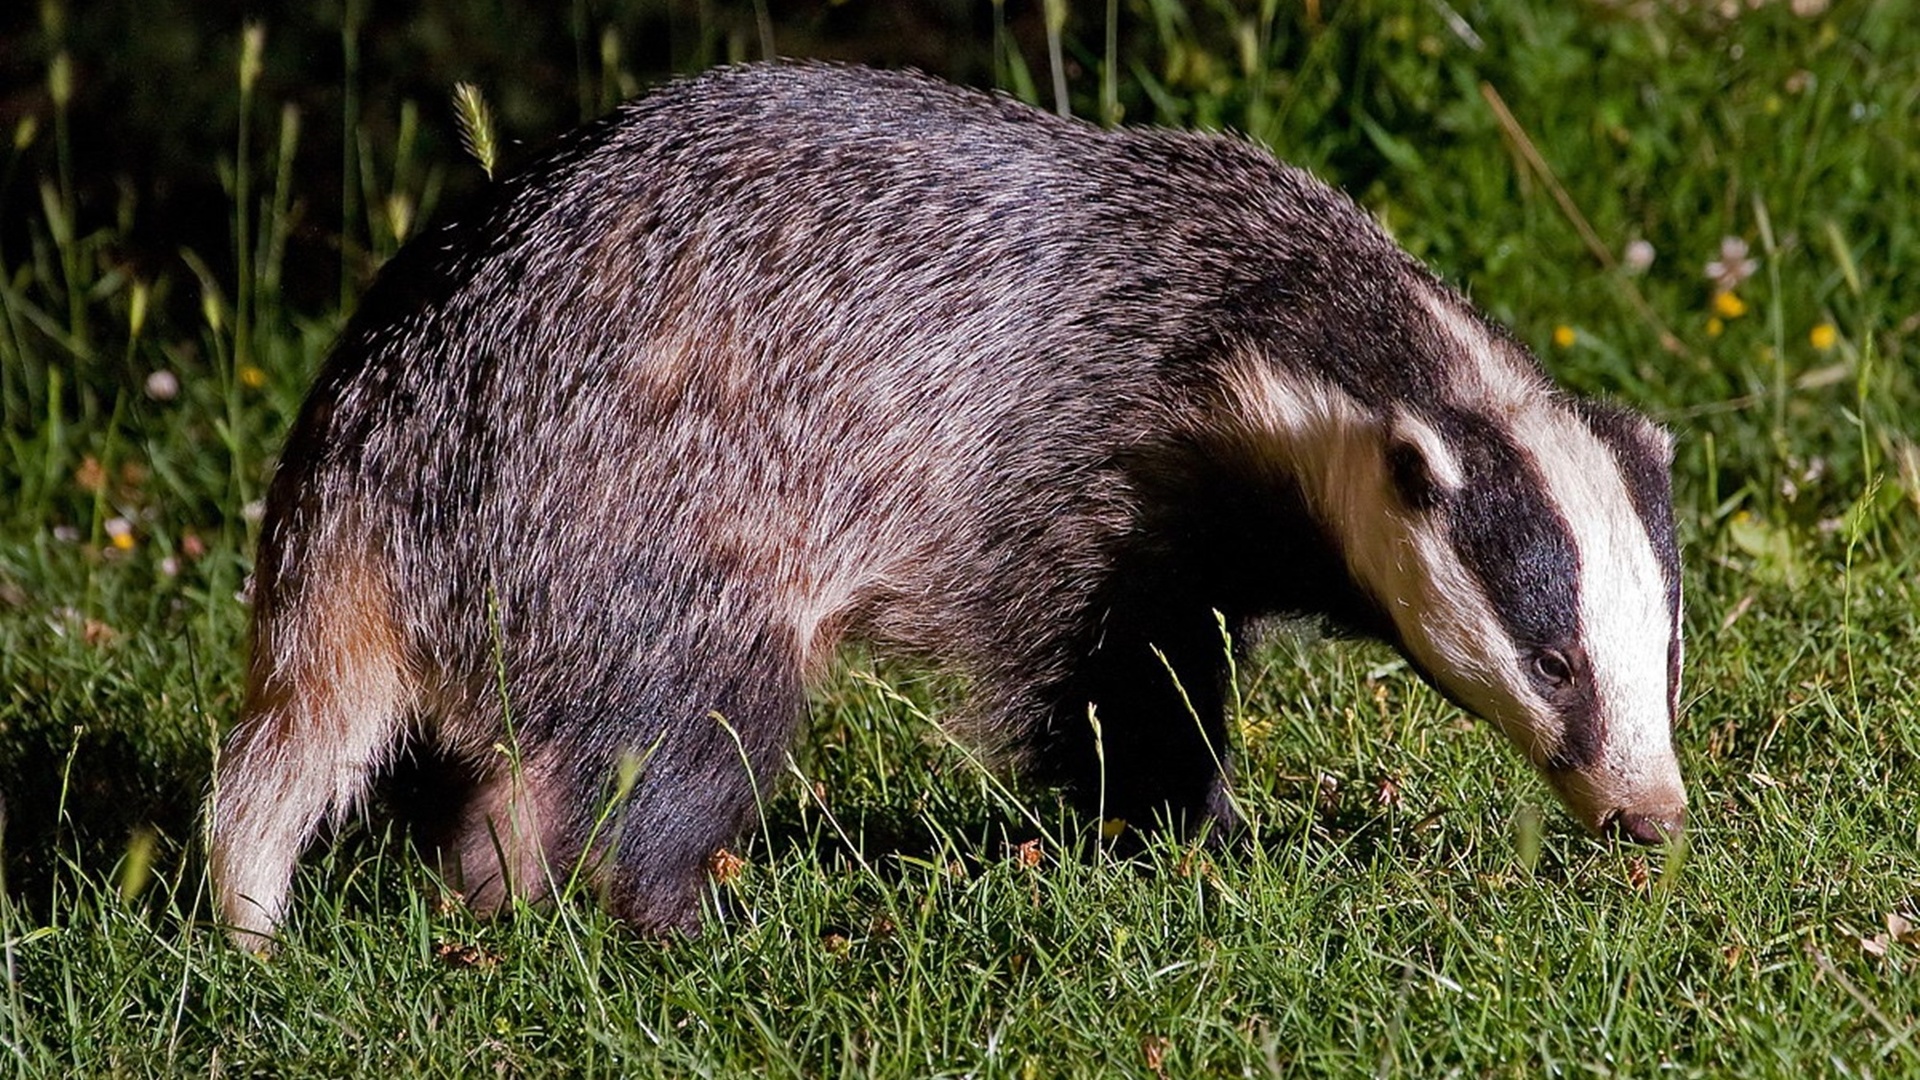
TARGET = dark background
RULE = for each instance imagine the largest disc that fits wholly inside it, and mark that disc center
(151, 127)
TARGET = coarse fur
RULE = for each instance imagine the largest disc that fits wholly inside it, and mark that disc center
(604, 469)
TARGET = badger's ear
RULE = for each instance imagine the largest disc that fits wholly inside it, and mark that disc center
(1420, 466)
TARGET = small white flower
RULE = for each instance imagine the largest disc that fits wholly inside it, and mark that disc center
(163, 385)
(253, 512)
(1733, 266)
(120, 532)
(1638, 256)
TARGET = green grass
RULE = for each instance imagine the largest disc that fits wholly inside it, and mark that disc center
(1397, 911)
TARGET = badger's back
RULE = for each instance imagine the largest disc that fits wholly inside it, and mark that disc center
(840, 336)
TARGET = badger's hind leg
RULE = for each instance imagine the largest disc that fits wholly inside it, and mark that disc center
(327, 699)
(508, 835)
(631, 781)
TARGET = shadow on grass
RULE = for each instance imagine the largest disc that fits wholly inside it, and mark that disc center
(80, 792)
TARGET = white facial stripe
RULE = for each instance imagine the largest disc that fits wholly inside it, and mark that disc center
(1657, 443)
(1625, 624)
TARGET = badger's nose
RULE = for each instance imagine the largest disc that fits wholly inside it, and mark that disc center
(1649, 827)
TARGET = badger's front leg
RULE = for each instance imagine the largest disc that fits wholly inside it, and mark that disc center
(1137, 731)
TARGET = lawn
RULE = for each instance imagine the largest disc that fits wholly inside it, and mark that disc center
(1410, 900)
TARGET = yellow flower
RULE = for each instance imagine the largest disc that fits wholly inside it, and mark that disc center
(1823, 337)
(252, 377)
(1564, 336)
(1728, 306)
(1715, 327)
(120, 532)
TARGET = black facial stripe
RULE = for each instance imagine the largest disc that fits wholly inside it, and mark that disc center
(1520, 549)
(1509, 533)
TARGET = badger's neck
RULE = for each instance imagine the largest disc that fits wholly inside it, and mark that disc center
(1370, 423)
(1246, 538)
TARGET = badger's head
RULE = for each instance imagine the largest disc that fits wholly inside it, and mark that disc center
(1518, 545)
(1535, 582)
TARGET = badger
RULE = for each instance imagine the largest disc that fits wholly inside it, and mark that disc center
(605, 467)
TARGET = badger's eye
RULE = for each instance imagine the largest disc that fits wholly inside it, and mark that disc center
(1552, 668)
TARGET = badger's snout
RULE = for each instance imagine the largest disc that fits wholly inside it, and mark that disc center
(1643, 805)
(1655, 826)
(1627, 797)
